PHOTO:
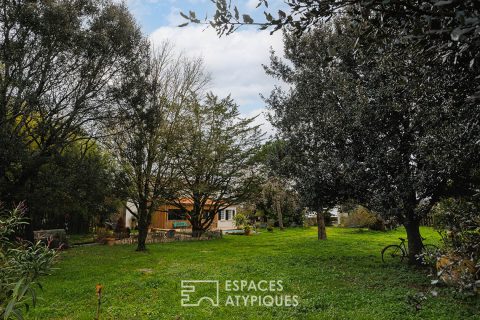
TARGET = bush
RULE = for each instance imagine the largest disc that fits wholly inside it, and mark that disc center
(458, 222)
(54, 239)
(361, 217)
(121, 231)
(240, 220)
(21, 264)
(248, 229)
(270, 228)
(102, 235)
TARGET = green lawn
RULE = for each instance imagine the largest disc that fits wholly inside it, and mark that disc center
(74, 239)
(341, 278)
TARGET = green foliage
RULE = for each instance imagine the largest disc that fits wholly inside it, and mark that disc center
(277, 200)
(448, 30)
(74, 190)
(353, 115)
(240, 220)
(458, 221)
(59, 62)
(215, 159)
(21, 264)
(360, 217)
(152, 97)
(102, 235)
(247, 228)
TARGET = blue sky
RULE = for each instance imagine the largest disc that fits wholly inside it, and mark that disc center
(152, 14)
(234, 62)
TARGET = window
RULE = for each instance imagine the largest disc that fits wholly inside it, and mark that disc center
(176, 214)
(221, 215)
(228, 214)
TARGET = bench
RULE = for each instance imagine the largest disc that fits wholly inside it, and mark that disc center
(55, 238)
(181, 224)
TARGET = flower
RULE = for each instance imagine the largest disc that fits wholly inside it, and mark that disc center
(98, 289)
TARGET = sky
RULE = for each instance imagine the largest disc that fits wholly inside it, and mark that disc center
(234, 62)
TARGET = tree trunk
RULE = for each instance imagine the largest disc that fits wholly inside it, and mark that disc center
(143, 223)
(322, 232)
(197, 229)
(278, 208)
(142, 237)
(415, 244)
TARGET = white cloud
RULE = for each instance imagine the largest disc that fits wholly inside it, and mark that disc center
(252, 4)
(234, 61)
(174, 18)
(261, 119)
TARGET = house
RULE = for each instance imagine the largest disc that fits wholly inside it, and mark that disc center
(335, 215)
(171, 217)
(226, 218)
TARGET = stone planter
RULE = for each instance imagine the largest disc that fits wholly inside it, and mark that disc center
(110, 241)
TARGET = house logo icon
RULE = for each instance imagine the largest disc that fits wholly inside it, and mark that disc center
(194, 292)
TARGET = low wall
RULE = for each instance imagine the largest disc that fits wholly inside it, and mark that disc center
(161, 237)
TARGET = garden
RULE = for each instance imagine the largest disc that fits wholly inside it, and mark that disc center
(149, 171)
(341, 278)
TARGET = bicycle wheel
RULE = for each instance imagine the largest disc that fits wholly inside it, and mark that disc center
(393, 253)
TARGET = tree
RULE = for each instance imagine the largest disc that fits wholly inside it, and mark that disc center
(74, 190)
(279, 201)
(447, 29)
(58, 62)
(216, 160)
(152, 102)
(383, 126)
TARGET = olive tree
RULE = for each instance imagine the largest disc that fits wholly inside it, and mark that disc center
(378, 124)
(448, 29)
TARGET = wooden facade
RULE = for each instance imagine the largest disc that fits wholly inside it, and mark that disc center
(170, 217)
(164, 219)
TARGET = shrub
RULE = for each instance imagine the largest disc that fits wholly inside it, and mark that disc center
(270, 228)
(21, 264)
(120, 229)
(213, 234)
(361, 217)
(310, 222)
(240, 220)
(102, 235)
(248, 229)
(55, 238)
(458, 222)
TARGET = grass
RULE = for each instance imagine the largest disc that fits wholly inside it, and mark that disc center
(74, 239)
(341, 278)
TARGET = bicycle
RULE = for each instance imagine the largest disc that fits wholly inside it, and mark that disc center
(398, 252)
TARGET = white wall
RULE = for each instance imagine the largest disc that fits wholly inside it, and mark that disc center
(224, 224)
(128, 215)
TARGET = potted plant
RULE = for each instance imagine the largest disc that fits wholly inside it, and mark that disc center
(239, 220)
(247, 229)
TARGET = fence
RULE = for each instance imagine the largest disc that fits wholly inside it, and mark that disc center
(166, 236)
(427, 221)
